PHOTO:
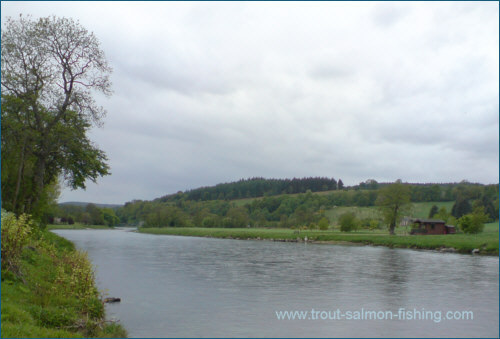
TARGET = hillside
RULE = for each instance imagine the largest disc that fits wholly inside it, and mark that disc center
(286, 210)
(257, 187)
(84, 204)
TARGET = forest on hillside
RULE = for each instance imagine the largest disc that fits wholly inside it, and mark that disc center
(284, 210)
(257, 187)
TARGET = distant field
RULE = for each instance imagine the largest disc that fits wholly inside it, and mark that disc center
(77, 227)
(422, 209)
(419, 210)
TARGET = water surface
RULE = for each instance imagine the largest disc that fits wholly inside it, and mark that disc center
(173, 286)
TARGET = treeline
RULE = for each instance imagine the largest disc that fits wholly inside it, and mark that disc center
(305, 209)
(260, 187)
(90, 214)
(256, 188)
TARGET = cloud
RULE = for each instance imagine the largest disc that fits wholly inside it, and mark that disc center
(212, 92)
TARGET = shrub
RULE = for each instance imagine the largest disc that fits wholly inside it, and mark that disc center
(312, 226)
(323, 224)
(348, 222)
(16, 233)
(473, 223)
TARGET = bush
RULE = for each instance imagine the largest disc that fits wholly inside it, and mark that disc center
(323, 224)
(348, 222)
(312, 226)
(16, 233)
(473, 223)
(369, 224)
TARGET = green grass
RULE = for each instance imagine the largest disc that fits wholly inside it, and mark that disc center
(77, 227)
(360, 212)
(40, 301)
(418, 210)
(487, 241)
(422, 209)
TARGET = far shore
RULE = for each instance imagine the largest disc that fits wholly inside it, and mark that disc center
(484, 243)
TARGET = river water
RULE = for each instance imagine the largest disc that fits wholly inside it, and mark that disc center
(173, 286)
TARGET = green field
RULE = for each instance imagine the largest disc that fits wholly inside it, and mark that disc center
(78, 227)
(486, 242)
(418, 210)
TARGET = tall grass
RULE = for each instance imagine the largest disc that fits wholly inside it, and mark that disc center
(50, 291)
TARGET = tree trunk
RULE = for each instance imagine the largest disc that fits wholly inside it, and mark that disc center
(392, 226)
(19, 177)
(38, 183)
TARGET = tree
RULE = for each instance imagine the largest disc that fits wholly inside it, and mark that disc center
(96, 216)
(434, 210)
(461, 207)
(340, 184)
(473, 223)
(51, 68)
(109, 217)
(489, 207)
(348, 222)
(393, 201)
(323, 224)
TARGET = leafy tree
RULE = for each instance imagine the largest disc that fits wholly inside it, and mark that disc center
(473, 223)
(434, 210)
(109, 217)
(348, 222)
(461, 207)
(238, 217)
(51, 68)
(393, 201)
(489, 208)
(323, 224)
(96, 215)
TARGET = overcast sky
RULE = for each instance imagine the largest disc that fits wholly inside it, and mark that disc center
(210, 92)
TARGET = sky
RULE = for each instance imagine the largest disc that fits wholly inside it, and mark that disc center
(212, 92)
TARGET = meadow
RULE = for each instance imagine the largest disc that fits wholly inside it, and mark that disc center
(486, 242)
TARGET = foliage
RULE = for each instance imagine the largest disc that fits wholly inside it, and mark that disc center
(348, 222)
(89, 214)
(56, 295)
(285, 211)
(16, 233)
(434, 210)
(50, 69)
(461, 207)
(255, 187)
(393, 201)
(473, 223)
(323, 224)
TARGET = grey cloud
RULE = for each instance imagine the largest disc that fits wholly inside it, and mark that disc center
(208, 93)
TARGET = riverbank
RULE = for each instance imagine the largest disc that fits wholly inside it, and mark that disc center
(78, 227)
(486, 243)
(48, 287)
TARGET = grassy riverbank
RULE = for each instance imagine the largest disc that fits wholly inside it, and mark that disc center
(48, 288)
(486, 242)
(78, 227)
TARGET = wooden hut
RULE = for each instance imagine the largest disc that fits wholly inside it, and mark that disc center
(431, 226)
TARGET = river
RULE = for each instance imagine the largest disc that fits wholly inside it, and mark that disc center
(173, 286)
